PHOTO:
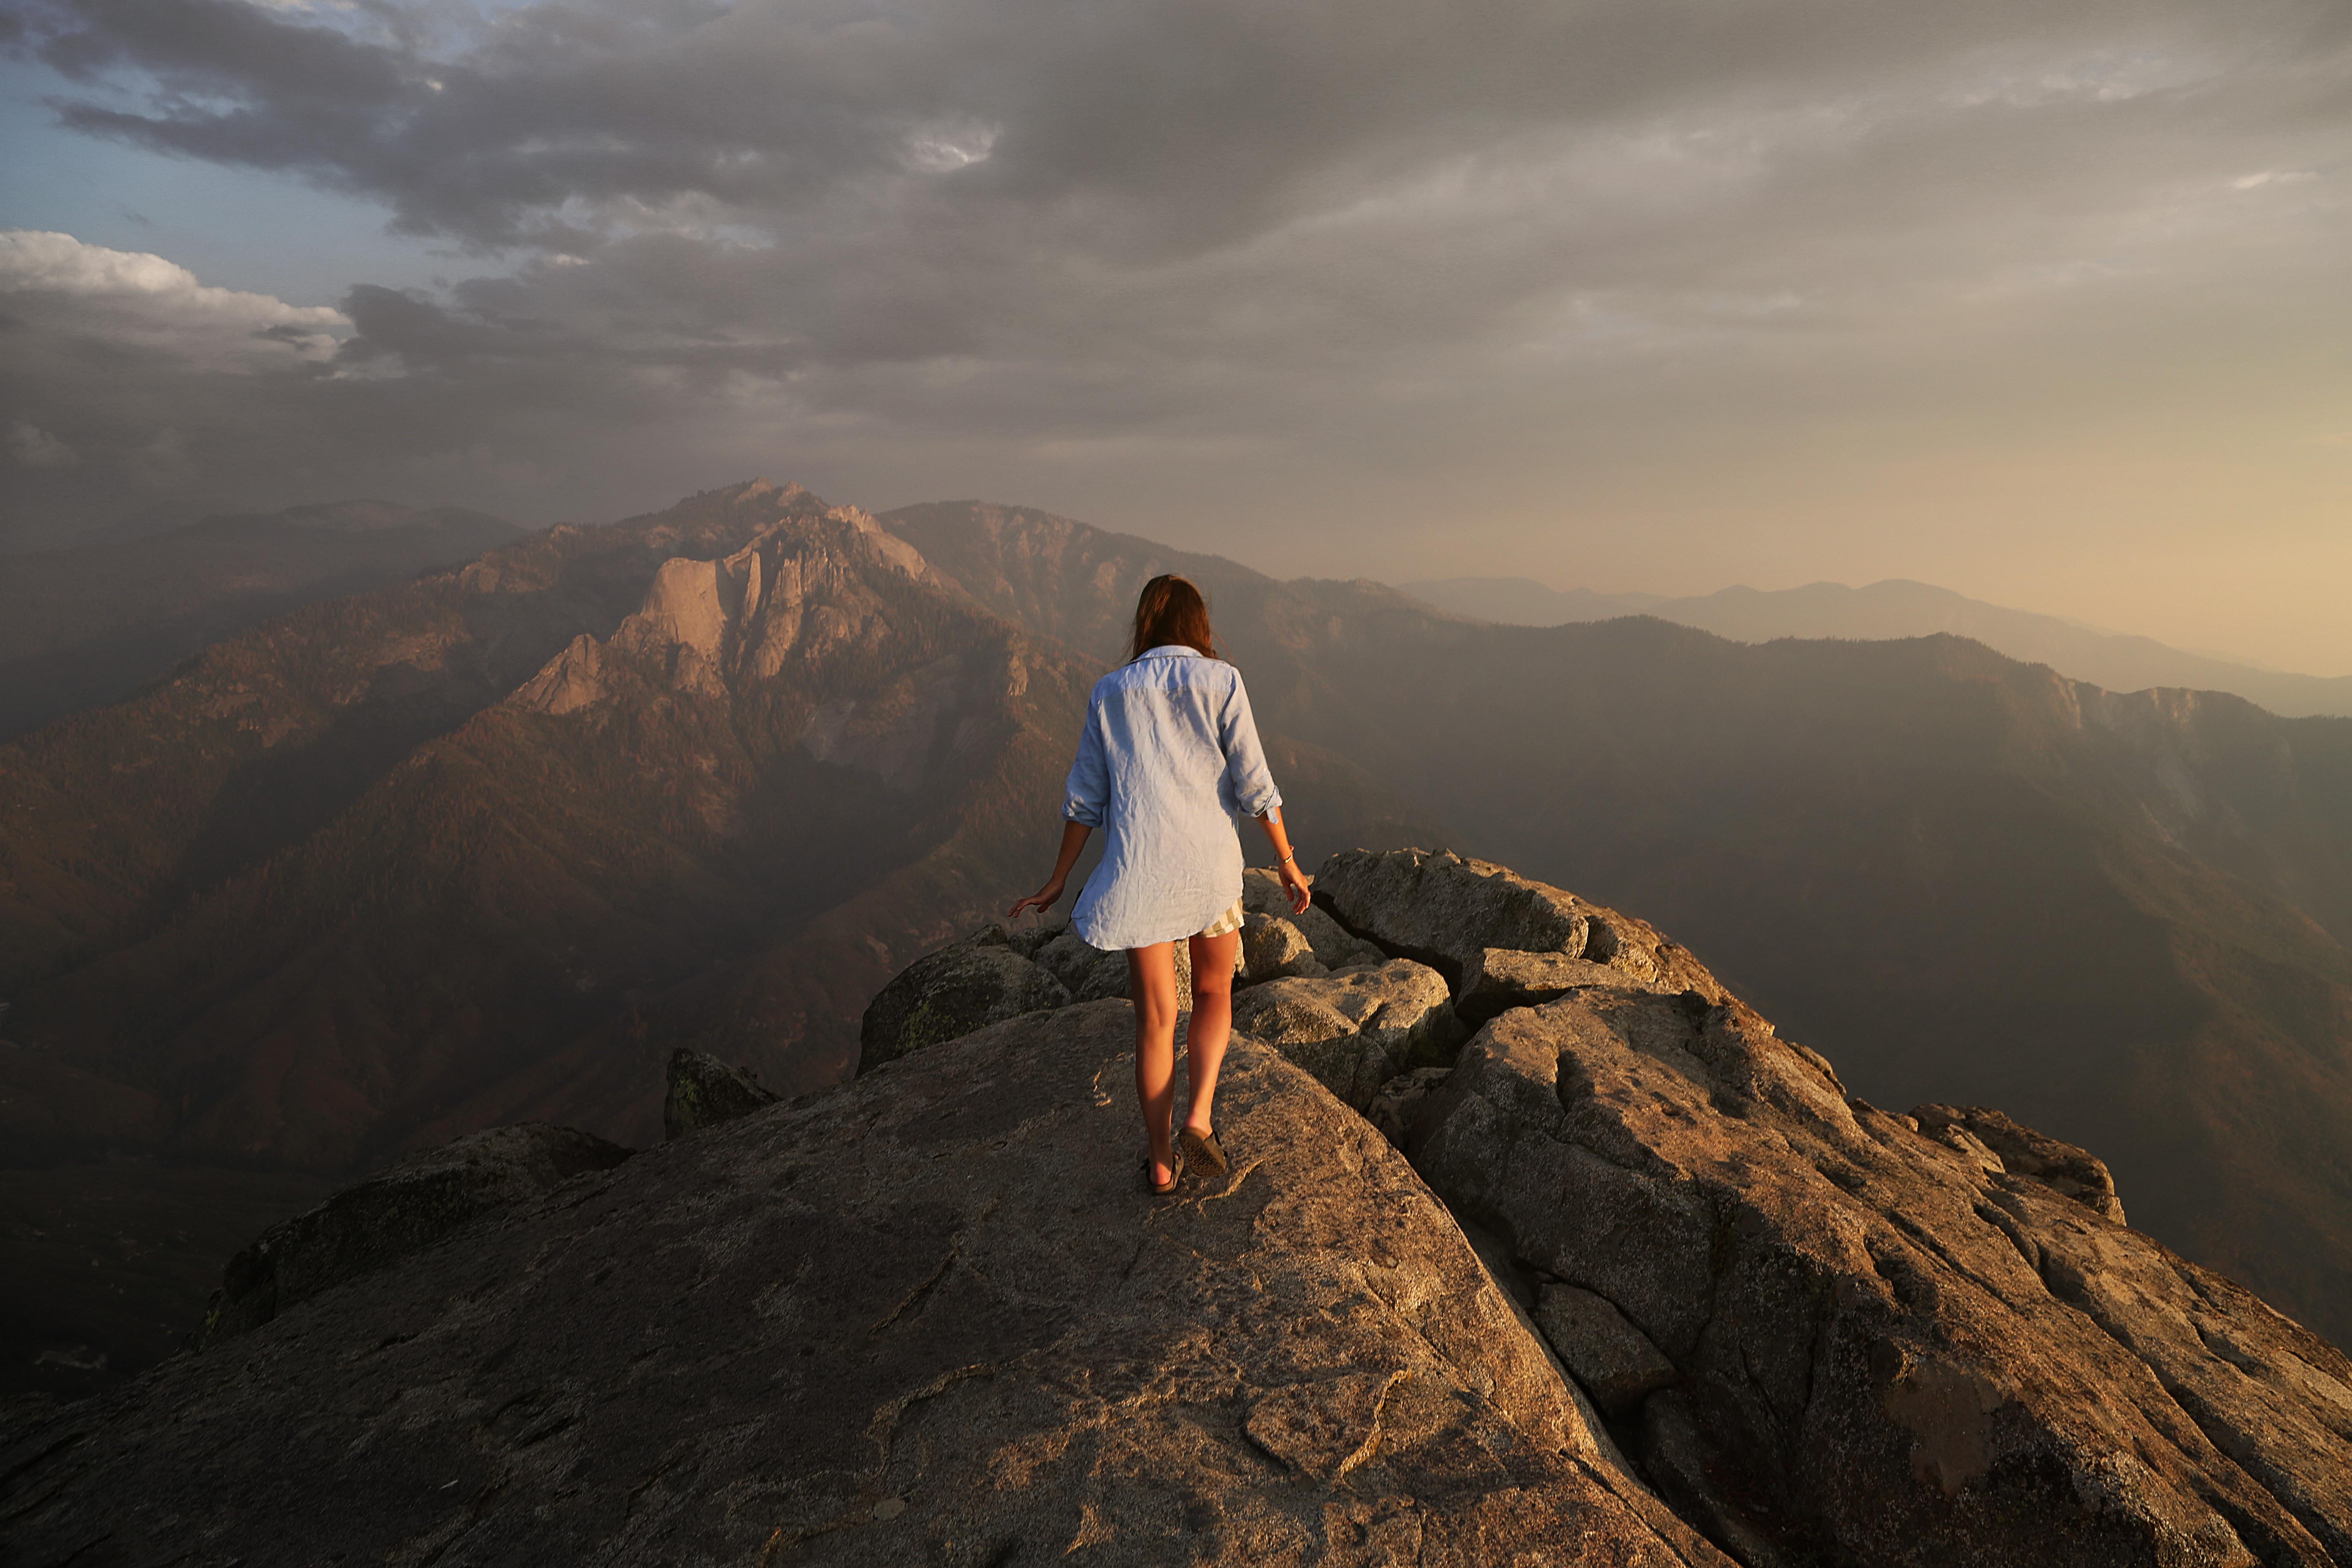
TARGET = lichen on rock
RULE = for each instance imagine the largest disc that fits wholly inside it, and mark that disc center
(965, 986)
(703, 1091)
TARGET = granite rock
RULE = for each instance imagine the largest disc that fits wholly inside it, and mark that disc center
(2063, 1168)
(1610, 1359)
(1446, 910)
(703, 1091)
(929, 1316)
(949, 993)
(417, 1201)
(1273, 949)
(1888, 1349)
(1335, 947)
(1356, 1029)
(1397, 1102)
(1500, 978)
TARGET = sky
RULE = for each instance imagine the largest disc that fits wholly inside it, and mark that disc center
(2042, 300)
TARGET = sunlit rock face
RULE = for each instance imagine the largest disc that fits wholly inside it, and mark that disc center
(1653, 1289)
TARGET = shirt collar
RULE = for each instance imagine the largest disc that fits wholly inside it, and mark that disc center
(1172, 648)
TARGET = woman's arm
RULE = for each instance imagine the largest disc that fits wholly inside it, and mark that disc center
(1083, 802)
(1294, 882)
(1074, 839)
(1252, 789)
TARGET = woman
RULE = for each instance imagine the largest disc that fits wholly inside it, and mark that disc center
(1168, 757)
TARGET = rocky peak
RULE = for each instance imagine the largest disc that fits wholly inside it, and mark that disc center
(1652, 1287)
(1821, 1331)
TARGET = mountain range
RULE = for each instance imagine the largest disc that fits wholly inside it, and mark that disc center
(484, 846)
(1897, 608)
(91, 625)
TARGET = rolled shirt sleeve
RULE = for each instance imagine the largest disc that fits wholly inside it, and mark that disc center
(1088, 790)
(1248, 783)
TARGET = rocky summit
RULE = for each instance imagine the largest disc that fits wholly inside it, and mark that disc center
(1599, 1270)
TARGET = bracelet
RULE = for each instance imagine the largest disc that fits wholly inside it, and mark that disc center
(1288, 859)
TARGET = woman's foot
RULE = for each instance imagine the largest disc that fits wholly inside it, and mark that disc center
(1151, 1176)
(1201, 1147)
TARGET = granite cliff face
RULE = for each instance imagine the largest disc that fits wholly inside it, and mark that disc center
(1642, 1285)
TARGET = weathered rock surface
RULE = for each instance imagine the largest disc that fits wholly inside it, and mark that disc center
(1397, 1102)
(1501, 978)
(1446, 910)
(1613, 1361)
(705, 1092)
(1335, 947)
(1273, 949)
(928, 1318)
(964, 986)
(1889, 1350)
(413, 1204)
(1356, 1029)
(2065, 1169)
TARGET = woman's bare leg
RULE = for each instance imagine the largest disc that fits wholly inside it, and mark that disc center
(1151, 983)
(1212, 1026)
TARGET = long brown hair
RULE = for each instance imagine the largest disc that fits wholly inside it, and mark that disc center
(1171, 610)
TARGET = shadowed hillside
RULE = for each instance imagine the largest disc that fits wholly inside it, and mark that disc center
(88, 626)
(2123, 918)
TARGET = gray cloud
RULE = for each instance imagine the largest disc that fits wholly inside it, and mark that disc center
(1147, 258)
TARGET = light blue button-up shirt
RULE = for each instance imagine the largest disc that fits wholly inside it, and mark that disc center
(1168, 757)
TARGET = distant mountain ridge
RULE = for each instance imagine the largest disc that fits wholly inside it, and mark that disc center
(1900, 608)
(91, 625)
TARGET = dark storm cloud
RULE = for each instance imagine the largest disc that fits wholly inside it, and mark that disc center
(1484, 246)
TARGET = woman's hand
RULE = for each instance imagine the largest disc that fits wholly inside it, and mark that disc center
(1295, 885)
(1041, 901)
(1074, 839)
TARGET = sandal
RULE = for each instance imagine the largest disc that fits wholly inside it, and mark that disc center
(1175, 1173)
(1205, 1148)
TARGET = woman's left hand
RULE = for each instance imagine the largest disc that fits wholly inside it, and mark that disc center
(1296, 883)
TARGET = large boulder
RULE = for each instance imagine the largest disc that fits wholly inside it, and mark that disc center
(928, 1318)
(944, 996)
(1356, 1029)
(1887, 1347)
(1447, 911)
(703, 1091)
(420, 1200)
(1273, 949)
